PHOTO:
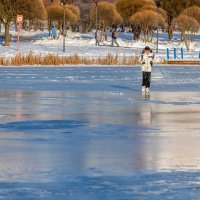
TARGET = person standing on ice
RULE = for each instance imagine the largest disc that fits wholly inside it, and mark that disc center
(146, 60)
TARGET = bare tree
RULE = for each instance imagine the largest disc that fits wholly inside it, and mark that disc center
(107, 15)
(31, 9)
(148, 21)
(185, 24)
(193, 11)
(55, 14)
(174, 8)
(127, 8)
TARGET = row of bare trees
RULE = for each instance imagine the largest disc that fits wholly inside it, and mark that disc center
(145, 16)
(142, 15)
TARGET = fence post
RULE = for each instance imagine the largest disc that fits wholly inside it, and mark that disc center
(167, 53)
(175, 56)
(182, 53)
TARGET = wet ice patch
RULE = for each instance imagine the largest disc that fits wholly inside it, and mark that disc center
(45, 124)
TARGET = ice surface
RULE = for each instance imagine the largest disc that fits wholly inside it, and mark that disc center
(88, 133)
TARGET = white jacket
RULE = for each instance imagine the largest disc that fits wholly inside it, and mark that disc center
(146, 60)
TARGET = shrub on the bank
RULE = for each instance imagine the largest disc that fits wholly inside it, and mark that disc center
(51, 59)
(147, 21)
(193, 11)
(184, 23)
(107, 15)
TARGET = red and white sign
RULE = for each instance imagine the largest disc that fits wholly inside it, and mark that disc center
(19, 19)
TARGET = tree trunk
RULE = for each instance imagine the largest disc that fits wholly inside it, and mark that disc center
(192, 37)
(169, 27)
(7, 35)
(146, 35)
(60, 28)
(106, 33)
(170, 32)
(123, 28)
(151, 36)
(187, 44)
(182, 36)
(137, 32)
(49, 27)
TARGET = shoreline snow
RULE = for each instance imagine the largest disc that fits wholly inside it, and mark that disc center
(83, 45)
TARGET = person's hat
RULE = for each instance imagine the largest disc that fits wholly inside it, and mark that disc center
(147, 48)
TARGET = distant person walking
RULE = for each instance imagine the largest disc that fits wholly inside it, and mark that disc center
(97, 37)
(53, 32)
(146, 60)
(114, 37)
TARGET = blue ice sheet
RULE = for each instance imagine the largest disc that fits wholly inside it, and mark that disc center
(88, 133)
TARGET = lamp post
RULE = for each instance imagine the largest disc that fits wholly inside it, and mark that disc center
(96, 2)
(158, 5)
(63, 2)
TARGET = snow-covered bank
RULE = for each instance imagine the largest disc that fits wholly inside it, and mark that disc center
(83, 45)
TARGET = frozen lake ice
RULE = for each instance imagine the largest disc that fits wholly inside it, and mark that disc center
(87, 133)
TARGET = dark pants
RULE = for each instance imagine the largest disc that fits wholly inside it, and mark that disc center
(114, 41)
(97, 42)
(146, 81)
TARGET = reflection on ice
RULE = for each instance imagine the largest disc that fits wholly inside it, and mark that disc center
(113, 132)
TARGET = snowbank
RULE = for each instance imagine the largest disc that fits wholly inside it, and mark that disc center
(83, 45)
